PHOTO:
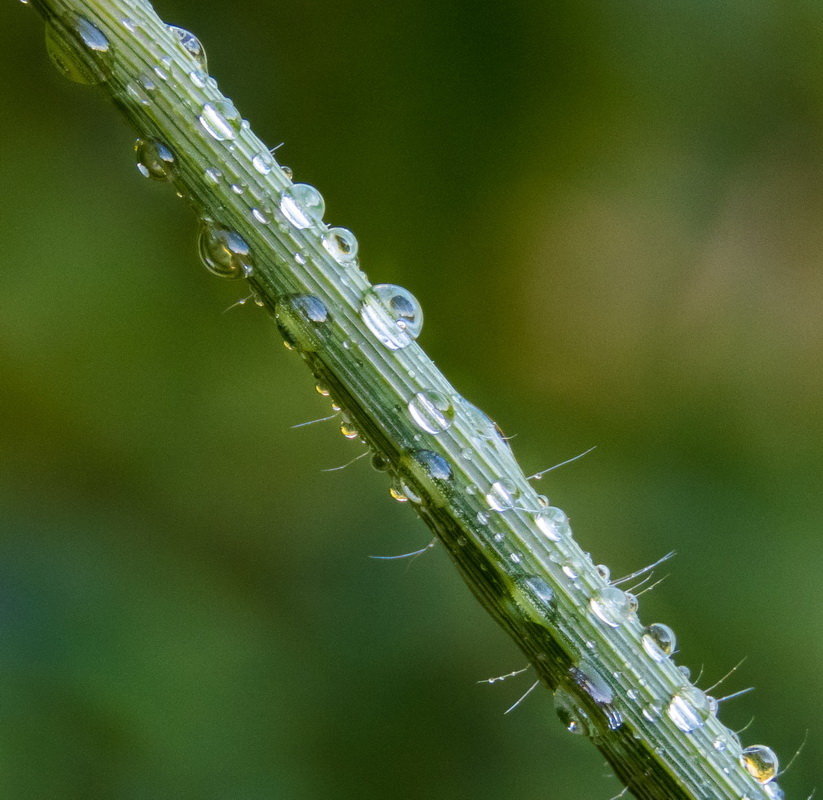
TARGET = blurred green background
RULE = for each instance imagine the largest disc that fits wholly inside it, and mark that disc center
(612, 215)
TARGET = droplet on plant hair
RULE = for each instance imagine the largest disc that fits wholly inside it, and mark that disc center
(392, 314)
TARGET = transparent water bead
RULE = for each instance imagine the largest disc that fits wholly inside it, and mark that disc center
(774, 792)
(154, 159)
(553, 523)
(341, 245)
(392, 314)
(611, 606)
(302, 205)
(659, 641)
(574, 718)
(432, 412)
(221, 120)
(689, 709)
(263, 162)
(89, 71)
(502, 495)
(760, 762)
(591, 682)
(348, 430)
(192, 45)
(435, 465)
(223, 252)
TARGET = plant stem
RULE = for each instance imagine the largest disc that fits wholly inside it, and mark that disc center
(613, 680)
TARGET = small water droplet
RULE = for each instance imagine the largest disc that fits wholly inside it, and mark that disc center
(221, 120)
(659, 641)
(260, 216)
(154, 159)
(263, 162)
(348, 430)
(192, 45)
(380, 462)
(287, 171)
(397, 494)
(540, 591)
(553, 523)
(92, 69)
(593, 684)
(611, 606)
(482, 517)
(435, 465)
(574, 718)
(223, 252)
(604, 572)
(502, 495)
(760, 762)
(212, 176)
(238, 188)
(688, 709)
(651, 711)
(302, 205)
(199, 78)
(392, 314)
(137, 93)
(321, 389)
(341, 244)
(432, 412)
(310, 308)
(685, 672)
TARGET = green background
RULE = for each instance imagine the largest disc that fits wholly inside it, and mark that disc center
(611, 213)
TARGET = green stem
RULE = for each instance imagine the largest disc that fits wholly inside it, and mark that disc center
(613, 679)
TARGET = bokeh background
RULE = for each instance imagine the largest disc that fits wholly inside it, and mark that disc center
(612, 214)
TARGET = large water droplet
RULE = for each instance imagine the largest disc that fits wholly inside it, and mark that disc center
(154, 159)
(574, 718)
(553, 523)
(224, 252)
(341, 244)
(95, 67)
(263, 162)
(659, 641)
(435, 465)
(192, 45)
(760, 762)
(611, 605)
(302, 205)
(688, 708)
(221, 120)
(432, 412)
(392, 314)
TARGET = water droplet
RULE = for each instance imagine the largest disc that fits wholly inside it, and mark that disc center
(540, 591)
(93, 65)
(688, 709)
(224, 252)
(199, 78)
(432, 412)
(515, 558)
(307, 306)
(397, 494)
(263, 162)
(192, 45)
(321, 389)
(260, 216)
(574, 718)
(302, 205)
(137, 93)
(651, 712)
(553, 523)
(154, 159)
(435, 465)
(774, 792)
(212, 176)
(221, 120)
(685, 672)
(392, 314)
(341, 244)
(760, 762)
(502, 495)
(611, 606)
(348, 430)
(604, 572)
(380, 462)
(659, 641)
(593, 684)
(287, 171)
